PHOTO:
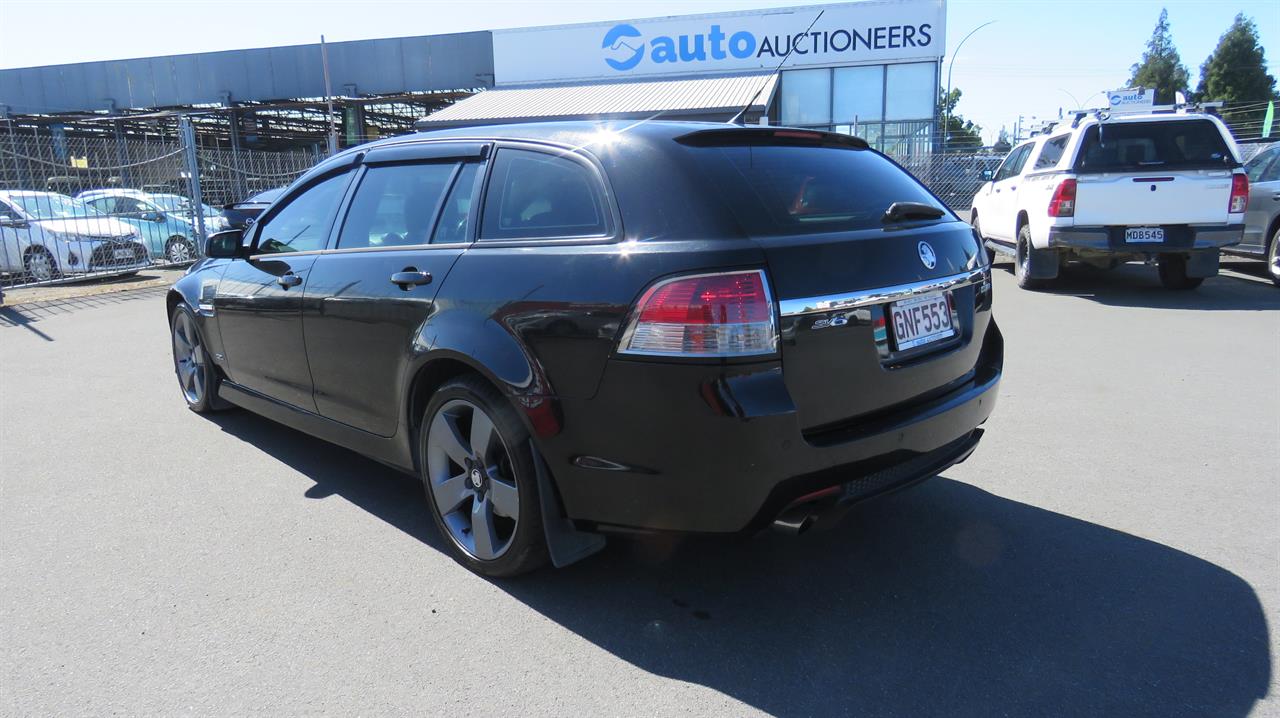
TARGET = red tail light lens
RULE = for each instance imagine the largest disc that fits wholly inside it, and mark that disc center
(1239, 194)
(707, 315)
(1063, 202)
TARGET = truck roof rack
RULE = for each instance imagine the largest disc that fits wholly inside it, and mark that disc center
(1102, 114)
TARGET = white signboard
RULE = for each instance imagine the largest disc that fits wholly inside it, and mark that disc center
(846, 34)
(1131, 99)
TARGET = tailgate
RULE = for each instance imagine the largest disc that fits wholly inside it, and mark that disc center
(1153, 198)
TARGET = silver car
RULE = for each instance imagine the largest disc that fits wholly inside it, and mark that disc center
(1262, 218)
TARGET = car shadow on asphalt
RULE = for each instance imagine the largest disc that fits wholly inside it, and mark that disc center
(1135, 285)
(944, 599)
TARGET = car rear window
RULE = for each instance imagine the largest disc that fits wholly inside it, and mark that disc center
(784, 189)
(1137, 146)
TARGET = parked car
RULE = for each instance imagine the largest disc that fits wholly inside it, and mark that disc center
(181, 206)
(1262, 218)
(239, 215)
(45, 235)
(1165, 188)
(166, 226)
(679, 327)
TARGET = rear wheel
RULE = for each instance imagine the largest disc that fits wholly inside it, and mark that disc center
(1028, 262)
(40, 265)
(479, 478)
(1173, 272)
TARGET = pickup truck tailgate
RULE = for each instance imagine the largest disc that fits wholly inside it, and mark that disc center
(1153, 198)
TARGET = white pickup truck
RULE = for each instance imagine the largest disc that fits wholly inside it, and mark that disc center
(1165, 187)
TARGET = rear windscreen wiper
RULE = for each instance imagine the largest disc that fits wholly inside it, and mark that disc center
(901, 211)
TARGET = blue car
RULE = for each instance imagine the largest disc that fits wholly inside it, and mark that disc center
(165, 222)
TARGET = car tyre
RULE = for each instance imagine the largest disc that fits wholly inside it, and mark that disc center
(1173, 272)
(197, 377)
(1027, 262)
(478, 474)
(179, 250)
(1273, 257)
(40, 265)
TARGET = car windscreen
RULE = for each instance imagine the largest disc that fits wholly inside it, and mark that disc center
(796, 189)
(53, 206)
(1140, 146)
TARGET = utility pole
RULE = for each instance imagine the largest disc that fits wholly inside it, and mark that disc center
(946, 121)
(328, 98)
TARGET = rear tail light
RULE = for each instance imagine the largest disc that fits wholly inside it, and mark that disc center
(706, 315)
(1239, 194)
(1063, 202)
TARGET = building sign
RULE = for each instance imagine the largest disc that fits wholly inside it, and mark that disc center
(1131, 99)
(847, 34)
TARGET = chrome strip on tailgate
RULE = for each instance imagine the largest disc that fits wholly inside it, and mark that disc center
(864, 297)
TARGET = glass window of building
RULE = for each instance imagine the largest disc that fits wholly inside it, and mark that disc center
(859, 94)
(912, 91)
(806, 97)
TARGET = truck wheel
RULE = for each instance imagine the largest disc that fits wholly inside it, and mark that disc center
(1273, 257)
(1033, 268)
(1173, 272)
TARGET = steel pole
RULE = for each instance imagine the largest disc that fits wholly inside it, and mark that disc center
(946, 125)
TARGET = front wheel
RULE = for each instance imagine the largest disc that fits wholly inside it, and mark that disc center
(480, 480)
(1173, 272)
(40, 265)
(197, 377)
(1273, 257)
(179, 250)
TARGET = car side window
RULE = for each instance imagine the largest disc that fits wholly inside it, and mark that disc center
(106, 205)
(1264, 167)
(303, 224)
(454, 217)
(1013, 163)
(395, 204)
(536, 195)
(124, 205)
(1051, 153)
(1272, 174)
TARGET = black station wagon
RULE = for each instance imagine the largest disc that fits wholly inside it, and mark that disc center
(567, 329)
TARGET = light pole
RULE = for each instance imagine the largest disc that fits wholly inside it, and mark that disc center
(946, 124)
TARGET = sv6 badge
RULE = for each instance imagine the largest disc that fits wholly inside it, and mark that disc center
(836, 321)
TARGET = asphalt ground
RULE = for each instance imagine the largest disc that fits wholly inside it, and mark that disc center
(1112, 548)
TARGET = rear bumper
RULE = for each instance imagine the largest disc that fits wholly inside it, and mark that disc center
(719, 448)
(1178, 238)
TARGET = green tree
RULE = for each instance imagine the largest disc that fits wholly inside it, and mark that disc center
(1236, 73)
(958, 133)
(1161, 68)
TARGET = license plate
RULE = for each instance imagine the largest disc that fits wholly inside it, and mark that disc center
(1144, 234)
(123, 254)
(921, 320)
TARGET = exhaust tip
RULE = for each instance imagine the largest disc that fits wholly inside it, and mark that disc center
(795, 522)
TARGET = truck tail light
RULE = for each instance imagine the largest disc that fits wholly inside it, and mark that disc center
(1239, 194)
(1063, 202)
(706, 315)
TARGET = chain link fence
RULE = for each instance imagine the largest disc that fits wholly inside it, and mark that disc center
(99, 203)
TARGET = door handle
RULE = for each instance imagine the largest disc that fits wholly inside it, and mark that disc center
(1013, 187)
(410, 277)
(288, 279)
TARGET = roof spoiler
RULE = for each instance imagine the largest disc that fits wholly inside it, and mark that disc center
(733, 136)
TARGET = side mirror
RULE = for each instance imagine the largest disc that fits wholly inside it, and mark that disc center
(225, 245)
(14, 223)
(987, 175)
(153, 216)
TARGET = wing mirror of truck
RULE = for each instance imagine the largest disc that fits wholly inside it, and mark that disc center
(225, 245)
(987, 175)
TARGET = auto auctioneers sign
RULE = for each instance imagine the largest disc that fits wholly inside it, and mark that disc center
(846, 34)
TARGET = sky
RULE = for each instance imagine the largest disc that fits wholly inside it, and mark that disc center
(1038, 57)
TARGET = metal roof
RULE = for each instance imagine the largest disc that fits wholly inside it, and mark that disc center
(673, 98)
(394, 65)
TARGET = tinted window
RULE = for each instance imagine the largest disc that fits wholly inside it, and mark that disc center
(103, 204)
(1263, 164)
(1013, 163)
(1051, 153)
(452, 226)
(538, 195)
(394, 205)
(776, 189)
(129, 204)
(1135, 146)
(303, 224)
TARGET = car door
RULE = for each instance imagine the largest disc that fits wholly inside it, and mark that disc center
(1264, 199)
(1003, 198)
(135, 213)
(258, 304)
(410, 217)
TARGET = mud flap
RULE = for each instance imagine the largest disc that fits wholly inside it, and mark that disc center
(565, 543)
(1203, 263)
(1043, 264)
